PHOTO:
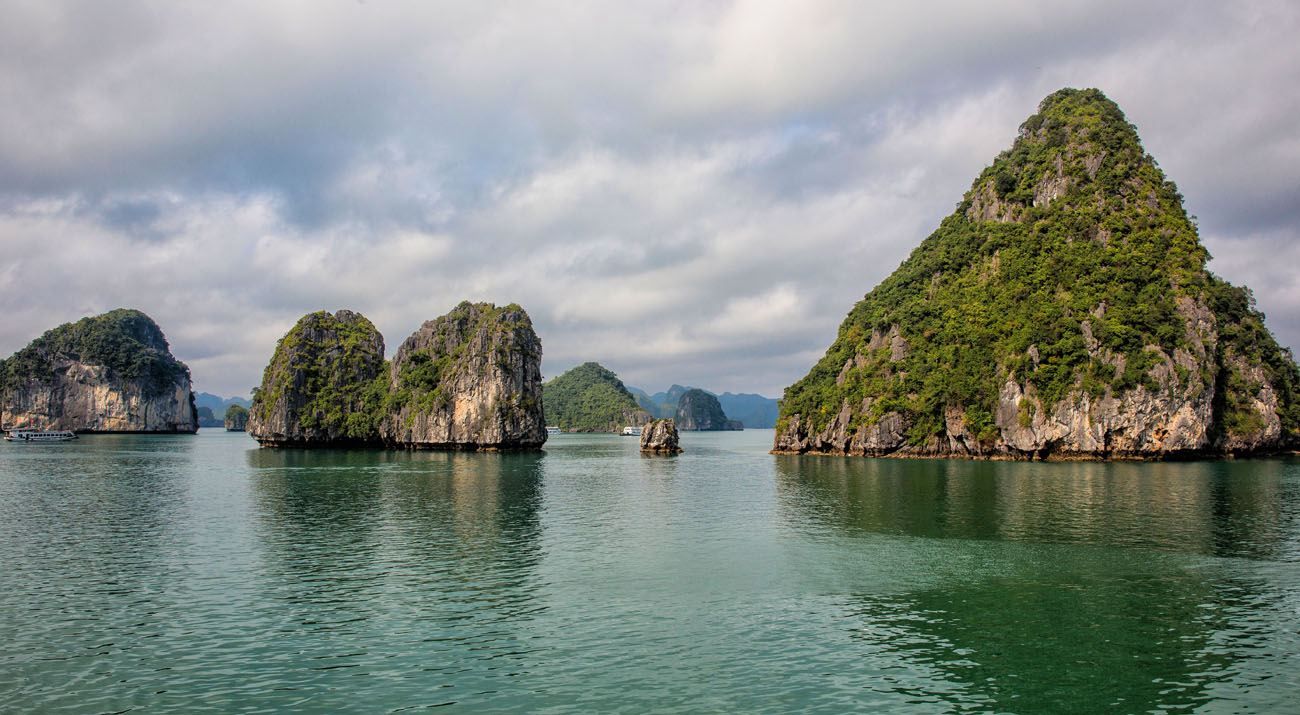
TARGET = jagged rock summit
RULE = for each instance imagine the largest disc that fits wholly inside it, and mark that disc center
(660, 437)
(1064, 310)
(109, 373)
(471, 379)
(468, 380)
(590, 398)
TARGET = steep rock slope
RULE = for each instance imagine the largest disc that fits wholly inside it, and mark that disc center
(590, 398)
(470, 379)
(1063, 310)
(109, 373)
(699, 411)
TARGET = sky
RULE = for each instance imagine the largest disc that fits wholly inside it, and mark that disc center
(691, 193)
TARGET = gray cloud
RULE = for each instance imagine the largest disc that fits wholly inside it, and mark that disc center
(692, 194)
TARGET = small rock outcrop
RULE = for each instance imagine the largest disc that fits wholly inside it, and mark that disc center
(325, 384)
(109, 373)
(236, 419)
(660, 437)
(700, 411)
(468, 380)
(1064, 310)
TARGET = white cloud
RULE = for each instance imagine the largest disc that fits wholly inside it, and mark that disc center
(689, 193)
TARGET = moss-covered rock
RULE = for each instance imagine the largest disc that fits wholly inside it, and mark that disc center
(590, 398)
(1064, 309)
(468, 380)
(236, 419)
(325, 384)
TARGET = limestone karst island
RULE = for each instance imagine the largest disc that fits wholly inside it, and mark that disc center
(109, 373)
(469, 380)
(1062, 311)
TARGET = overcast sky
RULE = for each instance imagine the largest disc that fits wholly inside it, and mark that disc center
(685, 192)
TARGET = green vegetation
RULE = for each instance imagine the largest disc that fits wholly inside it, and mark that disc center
(1075, 223)
(127, 342)
(236, 417)
(590, 398)
(337, 363)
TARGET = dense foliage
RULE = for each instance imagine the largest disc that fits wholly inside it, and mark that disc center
(1075, 223)
(127, 342)
(337, 363)
(236, 417)
(590, 398)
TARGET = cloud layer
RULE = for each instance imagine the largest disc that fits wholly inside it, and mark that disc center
(692, 193)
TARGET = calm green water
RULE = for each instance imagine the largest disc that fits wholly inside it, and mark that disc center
(199, 574)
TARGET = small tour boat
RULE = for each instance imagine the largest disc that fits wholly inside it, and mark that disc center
(34, 435)
(553, 430)
(631, 431)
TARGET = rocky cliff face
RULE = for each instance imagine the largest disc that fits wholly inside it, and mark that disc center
(324, 385)
(468, 380)
(109, 373)
(660, 437)
(698, 410)
(1064, 310)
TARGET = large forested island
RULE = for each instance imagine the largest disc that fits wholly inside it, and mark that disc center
(108, 373)
(590, 398)
(1063, 310)
(469, 380)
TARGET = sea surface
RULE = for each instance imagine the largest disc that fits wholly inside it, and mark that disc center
(195, 574)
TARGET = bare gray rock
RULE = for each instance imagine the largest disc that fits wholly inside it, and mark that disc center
(660, 437)
(466, 381)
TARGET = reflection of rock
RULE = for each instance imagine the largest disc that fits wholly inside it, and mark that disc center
(1021, 568)
(424, 529)
(1228, 509)
(660, 437)
(1144, 638)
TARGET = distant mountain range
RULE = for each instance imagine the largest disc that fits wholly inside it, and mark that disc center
(754, 411)
(212, 408)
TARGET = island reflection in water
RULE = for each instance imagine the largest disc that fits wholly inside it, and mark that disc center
(428, 558)
(1029, 602)
(200, 574)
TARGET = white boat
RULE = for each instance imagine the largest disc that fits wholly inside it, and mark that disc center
(631, 431)
(553, 430)
(35, 435)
